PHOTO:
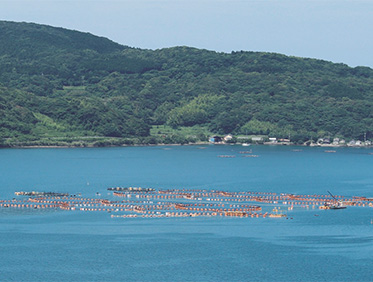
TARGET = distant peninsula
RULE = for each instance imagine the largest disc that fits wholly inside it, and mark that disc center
(60, 87)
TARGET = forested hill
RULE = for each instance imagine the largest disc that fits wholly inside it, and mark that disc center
(56, 82)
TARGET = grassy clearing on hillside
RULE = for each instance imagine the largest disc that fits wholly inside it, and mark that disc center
(47, 127)
(192, 131)
(71, 91)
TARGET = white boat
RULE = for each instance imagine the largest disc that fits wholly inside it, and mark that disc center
(245, 144)
(336, 205)
(333, 206)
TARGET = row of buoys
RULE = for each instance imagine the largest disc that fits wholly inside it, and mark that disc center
(28, 206)
(270, 198)
(180, 203)
(243, 208)
(206, 193)
(187, 197)
(219, 196)
(134, 208)
(115, 204)
(192, 194)
(218, 191)
(222, 210)
(186, 214)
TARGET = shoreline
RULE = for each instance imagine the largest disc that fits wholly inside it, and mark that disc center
(173, 144)
(92, 146)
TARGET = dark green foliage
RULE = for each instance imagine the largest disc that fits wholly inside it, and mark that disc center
(67, 83)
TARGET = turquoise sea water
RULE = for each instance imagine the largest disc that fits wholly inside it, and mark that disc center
(54, 245)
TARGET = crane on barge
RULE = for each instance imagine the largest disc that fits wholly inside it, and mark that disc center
(337, 205)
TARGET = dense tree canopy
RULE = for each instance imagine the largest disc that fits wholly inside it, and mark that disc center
(56, 81)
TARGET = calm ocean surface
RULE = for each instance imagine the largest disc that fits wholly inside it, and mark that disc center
(55, 245)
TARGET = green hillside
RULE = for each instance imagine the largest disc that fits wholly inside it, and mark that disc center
(59, 86)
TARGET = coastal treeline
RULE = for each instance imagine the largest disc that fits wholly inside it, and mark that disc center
(68, 84)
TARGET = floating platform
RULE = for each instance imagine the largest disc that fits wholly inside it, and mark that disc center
(42, 194)
(134, 202)
(131, 189)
